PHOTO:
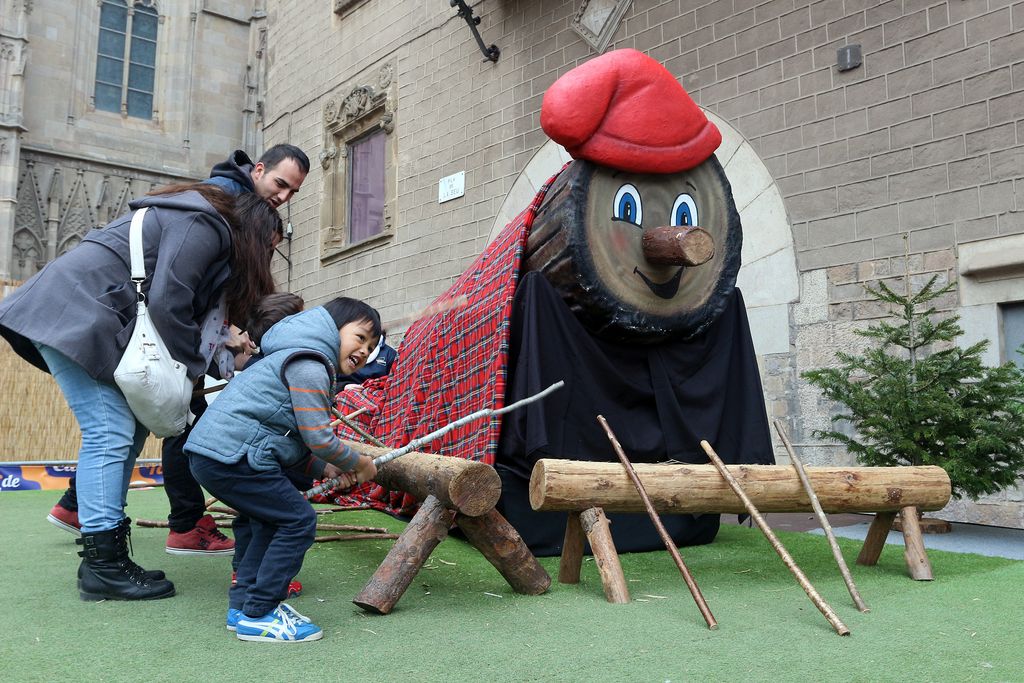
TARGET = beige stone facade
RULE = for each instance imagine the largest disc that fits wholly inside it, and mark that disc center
(67, 166)
(924, 140)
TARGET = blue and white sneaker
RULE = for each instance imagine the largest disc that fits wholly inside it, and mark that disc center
(233, 616)
(283, 625)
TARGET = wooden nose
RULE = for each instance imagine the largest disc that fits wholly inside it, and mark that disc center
(677, 245)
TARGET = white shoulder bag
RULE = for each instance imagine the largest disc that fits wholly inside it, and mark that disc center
(156, 386)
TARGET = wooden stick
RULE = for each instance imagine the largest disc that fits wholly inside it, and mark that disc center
(163, 524)
(353, 537)
(432, 309)
(347, 421)
(339, 508)
(339, 418)
(331, 484)
(698, 597)
(352, 527)
(818, 601)
(822, 518)
(223, 510)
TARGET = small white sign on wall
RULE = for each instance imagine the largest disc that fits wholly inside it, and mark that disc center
(451, 187)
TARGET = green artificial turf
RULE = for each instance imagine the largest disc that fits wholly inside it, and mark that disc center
(460, 621)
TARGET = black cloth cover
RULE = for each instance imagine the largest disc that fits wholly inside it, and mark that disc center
(660, 400)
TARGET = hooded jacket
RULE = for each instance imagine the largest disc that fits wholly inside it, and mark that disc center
(253, 418)
(233, 175)
(83, 303)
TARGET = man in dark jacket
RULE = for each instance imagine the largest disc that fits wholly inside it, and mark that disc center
(275, 177)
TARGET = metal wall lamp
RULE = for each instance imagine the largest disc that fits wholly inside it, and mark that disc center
(466, 12)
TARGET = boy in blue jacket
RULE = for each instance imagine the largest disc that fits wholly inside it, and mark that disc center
(275, 415)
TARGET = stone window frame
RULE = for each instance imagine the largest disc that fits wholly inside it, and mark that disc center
(364, 109)
(589, 11)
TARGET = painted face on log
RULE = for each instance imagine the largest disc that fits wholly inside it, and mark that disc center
(640, 257)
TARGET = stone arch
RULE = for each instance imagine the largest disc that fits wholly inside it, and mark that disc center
(28, 255)
(768, 278)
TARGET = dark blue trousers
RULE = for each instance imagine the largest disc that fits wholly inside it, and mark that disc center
(275, 527)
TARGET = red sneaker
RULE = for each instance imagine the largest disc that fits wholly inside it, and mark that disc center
(204, 539)
(294, 588)
(65, 519)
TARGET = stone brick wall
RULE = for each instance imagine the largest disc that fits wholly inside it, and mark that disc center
(888, 166)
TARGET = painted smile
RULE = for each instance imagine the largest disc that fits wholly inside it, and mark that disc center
(664, 290)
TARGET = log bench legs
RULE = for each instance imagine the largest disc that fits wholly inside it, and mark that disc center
(593, 523)
(490, 533)
(914, 553)
(501, 544)
(428, 527)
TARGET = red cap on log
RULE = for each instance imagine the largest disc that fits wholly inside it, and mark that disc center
(626, 111)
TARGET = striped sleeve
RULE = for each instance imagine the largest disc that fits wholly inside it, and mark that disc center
(308, 384)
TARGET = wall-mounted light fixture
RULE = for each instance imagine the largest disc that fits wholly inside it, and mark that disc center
(492, 52)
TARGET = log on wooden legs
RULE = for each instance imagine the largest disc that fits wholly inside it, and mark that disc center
(596, 527)
(471, 488)
(917, 559)
(429, 526)
(874, 542)
(571, 562)
(678, 488)
(503, 547)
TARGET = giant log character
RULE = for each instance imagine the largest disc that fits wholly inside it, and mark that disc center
(619, 279)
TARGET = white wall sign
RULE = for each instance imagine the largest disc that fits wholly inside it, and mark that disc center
(451, 187)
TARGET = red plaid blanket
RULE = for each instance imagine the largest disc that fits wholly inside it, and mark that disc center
(449, 365)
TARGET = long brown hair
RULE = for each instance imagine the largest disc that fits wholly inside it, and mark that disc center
(253, 223)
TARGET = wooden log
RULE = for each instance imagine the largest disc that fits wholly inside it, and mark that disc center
(501, 544)
(571, 562)
(678, 245)
(917, 559)
(471, 488)
(576, 485)
(596, 527)
(874, 542)
(429, 526)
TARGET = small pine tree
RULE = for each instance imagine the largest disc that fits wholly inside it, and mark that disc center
(911, 407)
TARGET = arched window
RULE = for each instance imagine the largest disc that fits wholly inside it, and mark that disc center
(125, 68)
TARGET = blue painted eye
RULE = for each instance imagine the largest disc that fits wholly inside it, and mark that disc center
(628, 206)
(684, 211)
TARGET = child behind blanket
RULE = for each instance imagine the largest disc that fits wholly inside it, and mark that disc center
(272, 416)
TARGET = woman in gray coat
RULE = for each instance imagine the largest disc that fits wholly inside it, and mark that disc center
(207, 257)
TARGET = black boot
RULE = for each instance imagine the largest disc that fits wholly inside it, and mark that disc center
(108, 573)
(152, 575)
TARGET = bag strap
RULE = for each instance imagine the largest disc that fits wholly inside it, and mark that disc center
(135, 250)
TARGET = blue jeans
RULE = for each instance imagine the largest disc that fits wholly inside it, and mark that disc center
(274, 528)
(111, 441)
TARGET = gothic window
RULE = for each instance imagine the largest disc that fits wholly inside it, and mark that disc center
(126, 58)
